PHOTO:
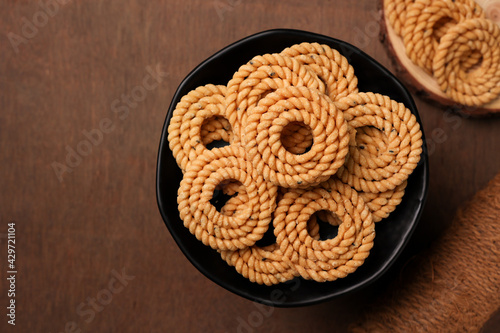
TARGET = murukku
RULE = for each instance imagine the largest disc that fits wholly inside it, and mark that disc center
(297, 138)
(185, 128)
(395, 10)
(427, 20)
(480, 85)
(330, 259)
(200, 216)
(328, 217)
(401, 154)
(266, 123)
(262, 74)
(263, 265)
(215, 129)
(296, 133)
(330, 66)
(383, 204)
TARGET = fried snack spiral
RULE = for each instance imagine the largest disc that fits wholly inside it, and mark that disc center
(261, 265)
(427, 20)
(184, 131)
(333, 258)
(214, 229)
(395, 10)
(383, 204)
(388, 169)
(297, 138)
(262, 74)
(216, 128)
(330, 66)
(481, 85)
(301, 142)
(266, 151)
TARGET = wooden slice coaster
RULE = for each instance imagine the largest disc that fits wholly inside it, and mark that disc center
(423, 84)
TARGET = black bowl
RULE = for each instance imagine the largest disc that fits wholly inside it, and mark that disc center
(393, 233)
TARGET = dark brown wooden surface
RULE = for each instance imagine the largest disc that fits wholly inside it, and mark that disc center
(74, 236)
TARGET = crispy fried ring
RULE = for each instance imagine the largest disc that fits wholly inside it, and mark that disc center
(330, 66)
(184, 131)
(282, 107)
(330, 259)
(260, 75)
(379, 174)
(214, 229)
(481, 85)
(423, 17)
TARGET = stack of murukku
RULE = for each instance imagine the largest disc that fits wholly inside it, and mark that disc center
(287, 145)
(452, 41)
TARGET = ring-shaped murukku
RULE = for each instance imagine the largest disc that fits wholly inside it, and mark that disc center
(266, 123)
(330, 259)
(384, 172)
(185, 128)
(201, 217)
(330, 66)
(424, 26)
(482, 84)
(262, 74)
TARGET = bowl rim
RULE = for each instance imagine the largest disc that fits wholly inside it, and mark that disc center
(407, 236)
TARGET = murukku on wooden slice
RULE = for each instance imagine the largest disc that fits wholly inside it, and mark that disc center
(261, 75)
(383, 204)
(382, 172)
(185, 127)
(330, 259)
(480, 85)
(395, 10)
(201, 217)
(330, 66)
(420, 38)
(265, 125)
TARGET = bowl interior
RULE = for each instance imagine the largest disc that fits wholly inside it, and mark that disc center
(392, 234)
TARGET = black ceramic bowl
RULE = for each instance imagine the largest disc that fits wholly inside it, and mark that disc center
(392, 234)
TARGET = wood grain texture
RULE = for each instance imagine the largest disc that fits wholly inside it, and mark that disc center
(75, 235)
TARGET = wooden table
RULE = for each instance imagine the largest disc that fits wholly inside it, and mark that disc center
(85, 86)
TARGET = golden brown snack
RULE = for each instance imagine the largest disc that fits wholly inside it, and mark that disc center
(390, 168)
(383, 204)
(288, 142)
(266, 151)
(330, 66)
(261, 75)
(427, 21)
(480, 85)
(184, 131)
(396, 13)
(329, 259)
(214, 229)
